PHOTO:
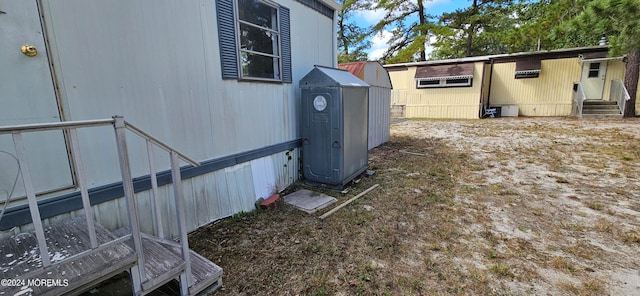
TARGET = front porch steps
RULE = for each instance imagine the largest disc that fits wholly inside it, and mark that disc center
(600, 108)
(77, 268)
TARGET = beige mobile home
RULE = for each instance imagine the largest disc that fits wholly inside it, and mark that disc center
(439, 89)
(545, 83)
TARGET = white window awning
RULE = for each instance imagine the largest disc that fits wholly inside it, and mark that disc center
(528, 72)
(446, 71)
(444, 77)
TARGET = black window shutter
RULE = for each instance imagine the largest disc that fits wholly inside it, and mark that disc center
(285, 37)
(227, 39)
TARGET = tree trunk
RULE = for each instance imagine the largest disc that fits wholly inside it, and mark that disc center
(631, 75)
(341, 32)
(423, 20)
(472, 28)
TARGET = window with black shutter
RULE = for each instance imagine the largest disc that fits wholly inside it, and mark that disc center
(254, 37)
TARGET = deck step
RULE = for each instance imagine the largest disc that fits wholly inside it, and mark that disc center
(164, 263)
(77, 268)
(600, 102)
(596, 116)
(599, 108)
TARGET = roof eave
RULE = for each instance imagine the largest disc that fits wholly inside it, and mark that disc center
(498, 56)
(332, 4)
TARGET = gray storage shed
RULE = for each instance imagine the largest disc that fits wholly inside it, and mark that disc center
(373, 73)
(335, 108)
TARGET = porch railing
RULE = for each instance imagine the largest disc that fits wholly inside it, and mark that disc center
(120, 126)
(619, 93)
(577, 100)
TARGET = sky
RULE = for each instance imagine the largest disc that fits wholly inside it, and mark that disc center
(379, 42)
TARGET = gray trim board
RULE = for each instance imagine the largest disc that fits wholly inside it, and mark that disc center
(57, 205)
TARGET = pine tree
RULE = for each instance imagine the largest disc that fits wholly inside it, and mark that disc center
(410, 27)
(352, 39)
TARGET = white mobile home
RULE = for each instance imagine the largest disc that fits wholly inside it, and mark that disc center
(215, 80)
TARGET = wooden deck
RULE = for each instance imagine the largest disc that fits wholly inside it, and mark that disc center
(75, 267)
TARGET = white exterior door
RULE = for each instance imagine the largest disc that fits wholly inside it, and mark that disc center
(593, 79)
(27, 95)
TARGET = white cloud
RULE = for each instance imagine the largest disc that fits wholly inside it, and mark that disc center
(435, 2)
(428, 49)
(379, 44)
(370, 16)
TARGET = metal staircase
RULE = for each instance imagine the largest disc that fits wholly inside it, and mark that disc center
(584, 108)
(599, 108)
(73, 255)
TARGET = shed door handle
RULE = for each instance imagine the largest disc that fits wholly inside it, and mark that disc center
(336, 144)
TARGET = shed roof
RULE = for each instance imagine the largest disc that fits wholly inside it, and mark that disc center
(356, 68)
(372, 72)
(325, 76)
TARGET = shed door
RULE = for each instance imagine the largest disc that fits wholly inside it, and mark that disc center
(593, 78)
(27, 96)
(322, 149)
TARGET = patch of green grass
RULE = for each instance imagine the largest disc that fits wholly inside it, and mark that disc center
(572, 226)
(562, 264)
(477, 167)
(631, 237)
(508, 192)
(603, 225)
(491, 254)
(581, 249)
(502, 270)
(595, 206)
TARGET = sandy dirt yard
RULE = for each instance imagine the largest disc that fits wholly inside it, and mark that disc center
(557, 200)
(506, 206)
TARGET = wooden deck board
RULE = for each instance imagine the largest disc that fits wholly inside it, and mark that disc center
(20, 259)
(205, 273)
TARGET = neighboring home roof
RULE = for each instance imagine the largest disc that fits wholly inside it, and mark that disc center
(372, 72)
(584, 52)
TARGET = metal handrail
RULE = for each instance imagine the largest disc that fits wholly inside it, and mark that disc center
(578, 99)
(33, 127)
(619, 93)
(120, 126)
(159, 143)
